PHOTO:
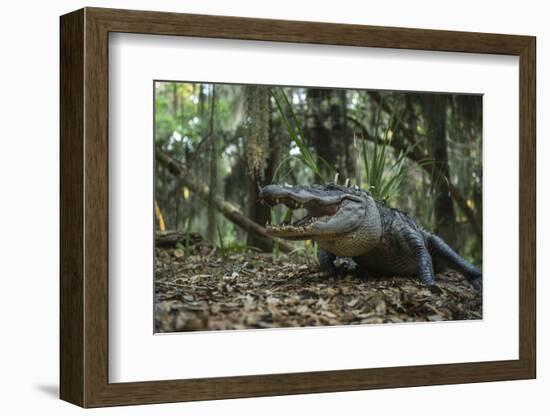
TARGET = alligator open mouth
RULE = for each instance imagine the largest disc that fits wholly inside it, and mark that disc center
(317, 211)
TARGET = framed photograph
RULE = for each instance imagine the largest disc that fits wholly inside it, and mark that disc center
(255, 207)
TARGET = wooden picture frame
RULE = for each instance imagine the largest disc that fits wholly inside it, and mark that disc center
(84, 207)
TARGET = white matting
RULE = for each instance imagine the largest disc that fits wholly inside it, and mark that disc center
(135, 354)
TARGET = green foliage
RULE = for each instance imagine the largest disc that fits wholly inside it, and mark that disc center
(306, 156)
(384, 173)
(305, 252)
(226, 249)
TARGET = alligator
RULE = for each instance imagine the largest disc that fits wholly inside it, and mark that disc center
(347, 222)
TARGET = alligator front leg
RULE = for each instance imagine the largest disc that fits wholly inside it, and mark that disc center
(326, 261)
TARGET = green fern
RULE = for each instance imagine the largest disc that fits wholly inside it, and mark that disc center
(384, 176)
(295, 132)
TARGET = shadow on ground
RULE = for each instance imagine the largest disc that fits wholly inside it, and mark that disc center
(51, 390)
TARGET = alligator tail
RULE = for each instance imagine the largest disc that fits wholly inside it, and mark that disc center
(441, 250)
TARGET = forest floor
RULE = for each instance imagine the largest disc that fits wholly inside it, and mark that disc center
(252, 290)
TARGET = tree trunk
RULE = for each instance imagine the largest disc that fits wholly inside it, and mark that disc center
(213, 181)
(327, 129)
(435, 113)
(259, 156)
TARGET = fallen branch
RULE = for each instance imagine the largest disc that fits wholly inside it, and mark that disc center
(228, 210)
(172, 238)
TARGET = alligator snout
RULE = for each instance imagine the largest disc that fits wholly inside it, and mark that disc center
(298, 196)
